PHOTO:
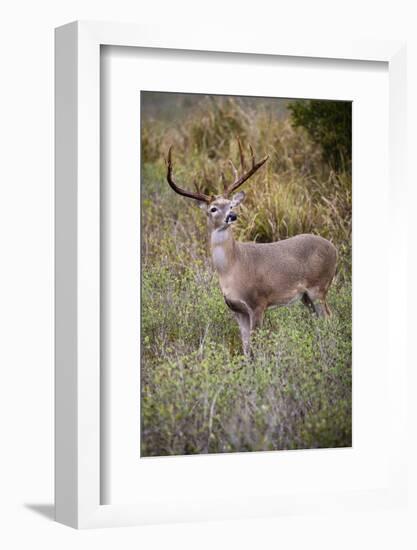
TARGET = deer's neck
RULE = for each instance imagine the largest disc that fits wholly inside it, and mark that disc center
(223, 250)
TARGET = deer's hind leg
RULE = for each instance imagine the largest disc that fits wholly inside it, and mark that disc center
(316, 302)
(326, 307)
(308, 302)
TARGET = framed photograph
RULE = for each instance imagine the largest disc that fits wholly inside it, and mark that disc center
(230, 302)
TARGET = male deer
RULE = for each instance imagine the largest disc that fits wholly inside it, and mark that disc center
(257, 276)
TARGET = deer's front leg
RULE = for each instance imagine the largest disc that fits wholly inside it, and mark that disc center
(248, 322)
(243, 320)
(243, 316)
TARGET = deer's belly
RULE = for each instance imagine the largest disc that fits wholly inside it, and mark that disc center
(267, 296)
(285, 300)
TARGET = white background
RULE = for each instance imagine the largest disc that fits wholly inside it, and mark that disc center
(26, 275)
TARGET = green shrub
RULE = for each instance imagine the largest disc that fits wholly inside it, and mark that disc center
(199, 394)
(329, 124)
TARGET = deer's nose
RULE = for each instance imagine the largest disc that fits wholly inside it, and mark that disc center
(231, 217)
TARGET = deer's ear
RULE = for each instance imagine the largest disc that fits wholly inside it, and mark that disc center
(238, 198)
(202, 205)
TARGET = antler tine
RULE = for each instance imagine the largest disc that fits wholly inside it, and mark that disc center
(252, 156)
(223, 180)
(246, 175)
(190, 194)
(241, 154)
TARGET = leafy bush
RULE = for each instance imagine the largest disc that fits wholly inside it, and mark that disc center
(199, 394)
(329, 125)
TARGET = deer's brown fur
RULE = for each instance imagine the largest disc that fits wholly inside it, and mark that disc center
(253, 276)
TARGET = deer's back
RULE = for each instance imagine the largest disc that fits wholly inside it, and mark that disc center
(305, 248)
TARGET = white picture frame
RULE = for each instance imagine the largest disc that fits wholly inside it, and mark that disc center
(78, 426)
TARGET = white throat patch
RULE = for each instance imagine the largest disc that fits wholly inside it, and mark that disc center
(219, 258)
(219, 236)
(218, 239)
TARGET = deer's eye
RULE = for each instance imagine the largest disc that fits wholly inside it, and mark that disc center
(214, 209)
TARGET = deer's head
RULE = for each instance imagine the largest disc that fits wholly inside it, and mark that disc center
(220, 208)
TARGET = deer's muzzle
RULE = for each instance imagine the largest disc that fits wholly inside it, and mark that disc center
(231, 217)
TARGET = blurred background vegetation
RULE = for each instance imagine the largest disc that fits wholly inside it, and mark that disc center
(198, 394)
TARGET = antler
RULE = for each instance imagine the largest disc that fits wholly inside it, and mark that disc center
(197, 196)
(228, 189)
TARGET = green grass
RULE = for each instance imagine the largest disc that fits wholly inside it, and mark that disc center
(198, 393)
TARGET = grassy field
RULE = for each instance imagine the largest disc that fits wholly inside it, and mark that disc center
(198, 393)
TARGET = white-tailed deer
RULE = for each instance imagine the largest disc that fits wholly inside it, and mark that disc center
(256, 276)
